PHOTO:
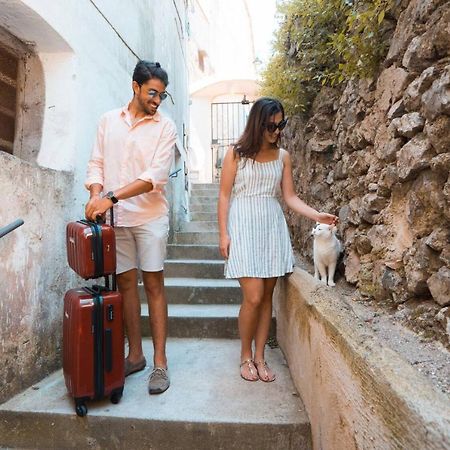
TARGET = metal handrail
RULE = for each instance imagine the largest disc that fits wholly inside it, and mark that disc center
(12, 226)
(174, 174)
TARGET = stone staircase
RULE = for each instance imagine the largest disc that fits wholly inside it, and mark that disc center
(208, 405)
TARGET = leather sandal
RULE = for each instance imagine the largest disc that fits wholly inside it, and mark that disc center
(250, 366)
(264, 372)
(134, 367)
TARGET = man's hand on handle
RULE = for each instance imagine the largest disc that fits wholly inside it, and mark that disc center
(97, 206)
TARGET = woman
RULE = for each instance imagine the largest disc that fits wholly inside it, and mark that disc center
(254, 237)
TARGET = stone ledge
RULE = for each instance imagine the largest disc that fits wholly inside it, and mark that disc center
(358, 393)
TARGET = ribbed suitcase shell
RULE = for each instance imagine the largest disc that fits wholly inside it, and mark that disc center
(80, 243)
(93, 371)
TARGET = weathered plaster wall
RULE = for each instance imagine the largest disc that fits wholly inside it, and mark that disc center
(86, 54)
(377, 153)
(358, 393)
(34, 273)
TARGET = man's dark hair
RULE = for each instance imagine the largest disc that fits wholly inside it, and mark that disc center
(146, 70)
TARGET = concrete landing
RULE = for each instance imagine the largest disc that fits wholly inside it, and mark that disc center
(208, 406)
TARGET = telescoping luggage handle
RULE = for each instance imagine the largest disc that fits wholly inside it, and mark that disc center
(103, 345)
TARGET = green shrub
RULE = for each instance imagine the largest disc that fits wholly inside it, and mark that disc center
(324, 42)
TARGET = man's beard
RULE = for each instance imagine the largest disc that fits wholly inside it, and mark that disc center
(147, 109)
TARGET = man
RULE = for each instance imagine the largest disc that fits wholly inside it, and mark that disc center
(130, 164)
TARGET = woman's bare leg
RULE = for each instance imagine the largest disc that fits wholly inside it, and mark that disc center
(262, 330)
(252, 295)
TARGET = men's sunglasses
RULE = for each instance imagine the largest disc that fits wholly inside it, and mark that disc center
(162, 95)
(271, 127)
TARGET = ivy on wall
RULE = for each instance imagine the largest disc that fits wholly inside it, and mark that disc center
(325, 42)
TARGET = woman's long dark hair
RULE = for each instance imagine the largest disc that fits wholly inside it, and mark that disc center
(250, 142)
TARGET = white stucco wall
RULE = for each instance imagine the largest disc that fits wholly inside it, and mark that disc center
(200, 156)
(223, 30)
(87, 51)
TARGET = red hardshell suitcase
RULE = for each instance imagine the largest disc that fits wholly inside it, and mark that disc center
(93, 345)
(91, 248)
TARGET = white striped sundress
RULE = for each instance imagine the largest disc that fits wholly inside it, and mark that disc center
(260, 245)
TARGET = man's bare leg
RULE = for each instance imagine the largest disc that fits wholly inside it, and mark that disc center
(128, 287)
(157, 304)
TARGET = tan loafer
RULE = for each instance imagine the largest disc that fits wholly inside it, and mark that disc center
(134, 367)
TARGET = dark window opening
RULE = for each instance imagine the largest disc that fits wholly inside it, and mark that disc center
(8, 94)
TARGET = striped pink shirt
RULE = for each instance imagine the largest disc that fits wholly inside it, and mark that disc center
(124, 152)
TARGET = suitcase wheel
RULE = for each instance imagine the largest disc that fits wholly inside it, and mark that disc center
(81, 409)
(116, 396)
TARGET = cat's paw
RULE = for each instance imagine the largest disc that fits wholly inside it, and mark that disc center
(331, 283)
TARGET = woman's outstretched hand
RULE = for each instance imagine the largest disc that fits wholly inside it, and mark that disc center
(329, 219)
(224, 245)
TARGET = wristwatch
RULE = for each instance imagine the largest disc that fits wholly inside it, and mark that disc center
(110, 195)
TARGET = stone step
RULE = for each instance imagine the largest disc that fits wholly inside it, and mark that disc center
(199, 291)
(194, 268)
(208, 186)
(212, 192)
(200, 225)
(208, 406)
(196, 237)
(200, 321)
(186, 251)
(206, 208)
(201, 216)
(204, 200)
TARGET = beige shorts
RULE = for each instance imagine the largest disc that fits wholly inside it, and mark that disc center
(143, 247)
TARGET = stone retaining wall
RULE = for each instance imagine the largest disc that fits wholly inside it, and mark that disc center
(377, 153)
(358, 393)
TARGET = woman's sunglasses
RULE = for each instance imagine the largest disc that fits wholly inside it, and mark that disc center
(271, 127)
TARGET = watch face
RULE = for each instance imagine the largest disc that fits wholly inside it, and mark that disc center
(110, 195)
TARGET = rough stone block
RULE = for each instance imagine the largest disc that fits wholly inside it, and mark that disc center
(425, 204)
(438, 134)
(439, 285)
(438, 239)
(436, 100)
(413, 93)
(413, 157)
(409, 124)
(420, 263)
(390, 86)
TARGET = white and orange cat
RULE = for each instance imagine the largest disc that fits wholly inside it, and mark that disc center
(326, 250)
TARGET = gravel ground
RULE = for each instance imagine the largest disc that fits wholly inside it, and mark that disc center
(393, 327)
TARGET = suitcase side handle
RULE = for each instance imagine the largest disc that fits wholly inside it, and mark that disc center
(108, 350)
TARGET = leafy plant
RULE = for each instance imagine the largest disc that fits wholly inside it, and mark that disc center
(324, 42)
